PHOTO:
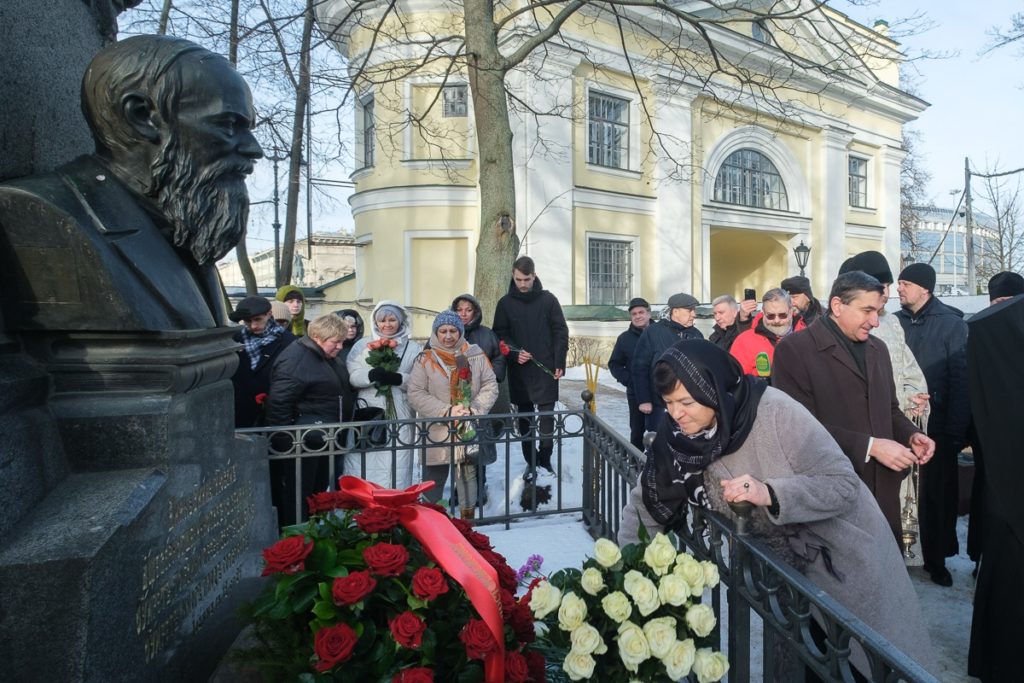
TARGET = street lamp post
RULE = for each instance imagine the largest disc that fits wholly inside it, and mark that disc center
(802, 253)
(277, 219)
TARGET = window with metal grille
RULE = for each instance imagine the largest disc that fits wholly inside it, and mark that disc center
(858, 182)
(369, 132)
(608, 131)
(610, 271)
(750, 178)
(455, 101)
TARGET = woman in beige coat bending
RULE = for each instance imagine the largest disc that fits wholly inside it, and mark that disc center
(451, 377)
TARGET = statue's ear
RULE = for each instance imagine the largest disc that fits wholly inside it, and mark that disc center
(138, 111)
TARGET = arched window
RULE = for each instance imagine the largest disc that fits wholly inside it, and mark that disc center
(749, 178)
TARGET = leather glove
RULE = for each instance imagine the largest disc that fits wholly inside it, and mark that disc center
(381, 376)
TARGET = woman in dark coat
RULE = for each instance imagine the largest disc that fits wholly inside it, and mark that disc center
(729, 437)
(355, 331)
(308, 386)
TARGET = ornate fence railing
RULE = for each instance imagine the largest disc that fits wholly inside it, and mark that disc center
(595, 470)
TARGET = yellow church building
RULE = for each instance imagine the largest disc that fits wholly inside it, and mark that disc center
(636, 175)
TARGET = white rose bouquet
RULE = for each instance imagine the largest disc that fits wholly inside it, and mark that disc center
(630, 614)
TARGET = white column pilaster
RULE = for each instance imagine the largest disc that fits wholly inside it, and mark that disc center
(829, 250)
(889, 202)
(680, 253)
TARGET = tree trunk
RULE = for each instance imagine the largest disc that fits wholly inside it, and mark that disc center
(497, 246)
(241, 250)
(296, 159)
(165, 14)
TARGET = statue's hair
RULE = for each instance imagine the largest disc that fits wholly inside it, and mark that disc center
(148, 65)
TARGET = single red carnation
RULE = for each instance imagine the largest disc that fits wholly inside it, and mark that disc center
(538, 667)
(348, 590)
(478, 639)
(464, 374)
(376, 520)
(260, 398)
(287, 556)
(333, 645)
(418, 674)
(428, 583)
(517, 670)
(503, 348)
(407, 630)
(386, 559)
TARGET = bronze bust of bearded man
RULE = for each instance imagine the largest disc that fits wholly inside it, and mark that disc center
(125, 239)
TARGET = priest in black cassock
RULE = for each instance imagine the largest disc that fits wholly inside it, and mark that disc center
(996, 373)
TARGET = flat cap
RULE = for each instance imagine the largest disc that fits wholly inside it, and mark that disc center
(638, 301)
(682, 301)
(250, 307)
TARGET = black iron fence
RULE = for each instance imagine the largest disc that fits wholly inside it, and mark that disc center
(595, 468)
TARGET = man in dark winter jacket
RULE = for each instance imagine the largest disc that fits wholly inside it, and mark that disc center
(808, 308)
(262, 339)
(731, 319)
(471, 314)
(937, 334)
(529, 320)
(682, 311)
(620, 364)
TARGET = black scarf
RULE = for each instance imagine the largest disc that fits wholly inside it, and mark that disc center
(674, 472)
(857, 349)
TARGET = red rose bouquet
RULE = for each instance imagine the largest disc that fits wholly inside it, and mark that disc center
(382, 355)
(357, 596)
(462, 394)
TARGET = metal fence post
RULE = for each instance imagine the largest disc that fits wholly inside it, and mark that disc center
(739, 611)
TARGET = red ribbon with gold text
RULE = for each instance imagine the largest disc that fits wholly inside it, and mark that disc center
(451, 550)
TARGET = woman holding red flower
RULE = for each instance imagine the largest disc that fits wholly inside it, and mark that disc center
(451, 377)
(379, 368)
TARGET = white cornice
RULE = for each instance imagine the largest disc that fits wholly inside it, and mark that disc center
(588, 198)
(870, 232)
(412, 196)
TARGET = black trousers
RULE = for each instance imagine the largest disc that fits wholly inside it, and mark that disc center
(526, 429)
(938, 504)
(636, 422)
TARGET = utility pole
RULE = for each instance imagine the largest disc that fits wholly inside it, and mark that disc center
(972, 285)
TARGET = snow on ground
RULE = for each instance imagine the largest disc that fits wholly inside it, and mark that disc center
(563, 541)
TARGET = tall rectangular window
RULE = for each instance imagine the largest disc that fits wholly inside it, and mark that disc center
(610, 271)
(608, 131)
(369, 133)
(858, 182)
(455, 101)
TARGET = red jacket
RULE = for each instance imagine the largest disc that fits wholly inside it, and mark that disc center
(747, 349)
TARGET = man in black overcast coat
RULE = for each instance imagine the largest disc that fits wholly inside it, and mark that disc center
(529, 320)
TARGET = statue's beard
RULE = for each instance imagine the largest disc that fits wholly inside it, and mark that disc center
(207, 207)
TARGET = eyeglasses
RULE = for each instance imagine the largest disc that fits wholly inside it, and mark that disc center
(773, 316)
